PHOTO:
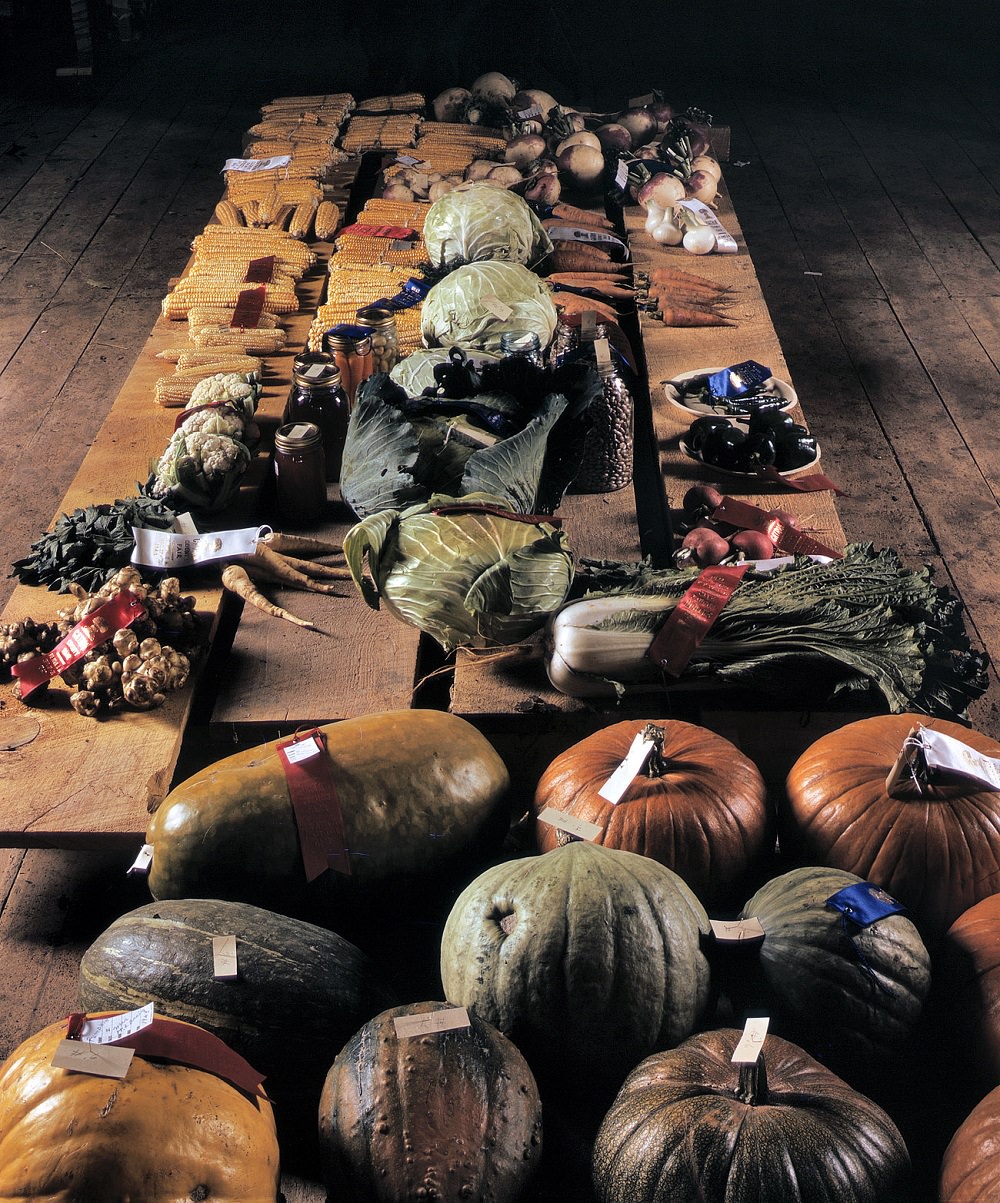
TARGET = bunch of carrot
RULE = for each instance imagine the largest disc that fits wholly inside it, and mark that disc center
(686, 299)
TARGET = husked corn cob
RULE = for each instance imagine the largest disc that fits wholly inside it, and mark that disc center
(378, 211)
(326, 220)
(301, 220)
(172, 393)
(356, 248)
(227, 214)
(403, 102)
(243, 242)
(222, 315)
(193, 357)
(379, 133)
(198, 290)
(254, 342)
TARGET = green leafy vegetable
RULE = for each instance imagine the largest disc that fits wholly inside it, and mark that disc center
(864, 625)
(477, 221)
(468, 572)
(462, 309)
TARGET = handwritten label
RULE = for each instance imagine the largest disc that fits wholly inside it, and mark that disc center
(224, 966)
(616, 786)
(497, 307)
(749, 1047)
(621, 174)
(446, 1020)
(691, 619)
(251, 165)
(737, 931)
(529, 113)
(570, 824)
(929, 759)
(110, 1028)
(170, 550)
(103, 1061)
(142, 861)
(602, 353)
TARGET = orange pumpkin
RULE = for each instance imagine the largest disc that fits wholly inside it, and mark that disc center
(937, 853)
(967, 986)
(970, 1167)
(700, 807)
(165, 1133)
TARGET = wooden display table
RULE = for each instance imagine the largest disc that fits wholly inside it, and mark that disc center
(80, 783)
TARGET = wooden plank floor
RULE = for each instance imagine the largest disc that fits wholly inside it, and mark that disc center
(869, 201)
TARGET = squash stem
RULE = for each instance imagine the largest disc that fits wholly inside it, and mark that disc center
(656, 764)
(752, 1088)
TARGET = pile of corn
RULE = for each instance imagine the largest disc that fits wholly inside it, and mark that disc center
(380, 131)
(448, 148)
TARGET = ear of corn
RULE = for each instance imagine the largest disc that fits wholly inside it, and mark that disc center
(302, 219)
(326, 220)
(227, 214)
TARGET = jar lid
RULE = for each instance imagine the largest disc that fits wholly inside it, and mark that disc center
(346, 337)
(297, 436)
(313, 369)
(378, 317)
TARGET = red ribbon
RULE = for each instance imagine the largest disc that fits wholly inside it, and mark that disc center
(316, 804)
(90, 632)
(785, 538)
(817, 483)
(691, 619)
(248, 309)
(185, 1044)
(260, 271)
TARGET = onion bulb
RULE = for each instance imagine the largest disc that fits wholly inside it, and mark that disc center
(699, 241)
(667, 233)
(654, 215)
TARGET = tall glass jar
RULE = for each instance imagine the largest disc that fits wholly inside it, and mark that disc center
(317, 396)
(381, 321)
(606, 465)
(523, 343)
(351, 348)
(299, 472)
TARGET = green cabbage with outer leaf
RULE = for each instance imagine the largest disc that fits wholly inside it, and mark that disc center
(415, 372)
(468, 572)
(477, 221)
(461, 309)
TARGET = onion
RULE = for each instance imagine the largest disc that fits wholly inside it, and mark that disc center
(451, 104)
(614, 136)
(580, 138)
(663, 189)
(524, 150)
(640, 123)
(699, 241)
(666, 233)
(701, 186)
(654, 215)
(581, 165)
(494, 88)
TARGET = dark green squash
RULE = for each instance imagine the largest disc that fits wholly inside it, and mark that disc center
(689, 1125)
(299, 994)
(587, 957)
(452, 1116)
(419, 790)
(850, 995)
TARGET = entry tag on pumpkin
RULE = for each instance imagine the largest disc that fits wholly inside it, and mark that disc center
(101, 1060)
(750, 1044)
(112, 1027)
(864, 903)
(316, 804)
(570, 824)
(447, 1020)
(616, 786)
(737, 931)
(142, 861)
(224, 966)
(498, 308)
(931, 758)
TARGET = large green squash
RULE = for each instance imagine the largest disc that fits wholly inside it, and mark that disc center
(452, 1115)
(850, 995)
(418, 790)
(300, 992)
(688, 1126)
(587, 957)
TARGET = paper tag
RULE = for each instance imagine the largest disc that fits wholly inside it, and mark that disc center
(224, 966)
(169, 550)
(103, 1061)
(724, 241)
(528, 113)
(268, 164)
(299, 431)
(184, 524)
(90, 632)
(248, 309)
(142, 861)
(588, 325)
(602, 352)
(403, 244)
(114, 1027)
(737, 931)
(929, 759)
(613, 790)
(691, 619)
(640, 102)
(407, 160)
(864, 903)
(570, 824)
(580, 234)
(749, 1047)
(621, 175)
(497, 307)
(305, 749)
(447, 1020)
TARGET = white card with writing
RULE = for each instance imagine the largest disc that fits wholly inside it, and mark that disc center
(751, 1042)
(142, 861)
(224, 966)
(101, 1060)
(616, 786)
(570, 823)
(447, 1020)
(116, 1027)
(737, 931)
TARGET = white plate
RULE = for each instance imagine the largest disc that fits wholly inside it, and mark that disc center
(747, 475)
(673, 394)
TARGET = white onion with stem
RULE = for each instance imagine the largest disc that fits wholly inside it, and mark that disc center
(667, 232)
(654, 215)
(699, 241)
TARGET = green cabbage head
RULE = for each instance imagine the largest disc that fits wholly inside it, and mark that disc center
(464, 309)
(477, 221)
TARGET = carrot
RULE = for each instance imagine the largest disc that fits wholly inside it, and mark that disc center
(584, 216)
(578, 257)
(237, 581)
(670, 296)
(569, 302)
(666, 275)
(303, 545)
(684, 316)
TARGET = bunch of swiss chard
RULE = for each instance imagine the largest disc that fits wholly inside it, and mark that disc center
(863, 626)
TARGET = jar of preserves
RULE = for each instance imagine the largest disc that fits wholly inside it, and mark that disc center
(299, 472)
(318, 396)
(381, 321)
(351, 348)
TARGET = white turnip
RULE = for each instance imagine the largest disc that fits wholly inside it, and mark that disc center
(701, 186)
(524, 150)
(494, 88)
(662, 189)
(707, 163)
(582, 166)
(581, 138)
(527, 98)
(614, 136)
(640, 123)
(451, 104)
